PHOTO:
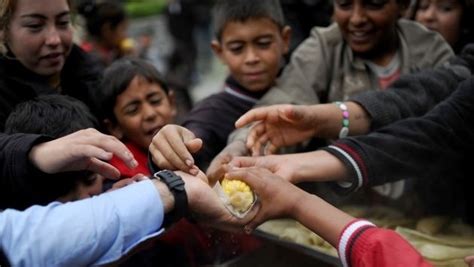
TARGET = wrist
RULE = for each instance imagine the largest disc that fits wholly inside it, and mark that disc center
(166, 196)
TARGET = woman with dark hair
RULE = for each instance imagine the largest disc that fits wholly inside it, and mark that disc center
(38, 56)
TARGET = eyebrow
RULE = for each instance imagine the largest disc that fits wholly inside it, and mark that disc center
(40, 16)
(269, 35)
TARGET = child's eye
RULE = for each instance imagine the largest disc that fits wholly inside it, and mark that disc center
(264, 43)
(131, 110)
(155, 101)
(236, 49)
(344, 4)
(375, 4)
(445, 7)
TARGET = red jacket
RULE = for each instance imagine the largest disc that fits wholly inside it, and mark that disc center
(363, 244)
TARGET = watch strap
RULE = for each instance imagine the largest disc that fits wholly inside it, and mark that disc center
(176, 186)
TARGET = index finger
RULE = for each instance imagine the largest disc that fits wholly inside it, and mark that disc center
(256, 114)
(114, 146)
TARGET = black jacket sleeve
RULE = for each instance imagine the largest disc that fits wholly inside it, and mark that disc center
(415, 94)
(437, 144)
(16, 169)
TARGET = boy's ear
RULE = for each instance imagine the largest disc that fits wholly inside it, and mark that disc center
(217, 48)
(113, 128)
(286, 33)
(172, 100)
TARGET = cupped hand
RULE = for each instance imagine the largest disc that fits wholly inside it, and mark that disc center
(276, 196)
(82, 150)
(171, 149)
(207, 207)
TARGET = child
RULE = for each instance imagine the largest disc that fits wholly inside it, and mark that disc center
(251, 39)
(366, 49)
(135, 103)
(56, 116)
(106, 25)
(451, 18)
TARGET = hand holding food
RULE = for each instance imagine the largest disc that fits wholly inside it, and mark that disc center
(237, 196)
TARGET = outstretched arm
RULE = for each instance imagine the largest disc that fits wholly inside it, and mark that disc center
(359, 242)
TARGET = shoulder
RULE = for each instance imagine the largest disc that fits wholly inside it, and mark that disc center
(329, 36)
(423, 48)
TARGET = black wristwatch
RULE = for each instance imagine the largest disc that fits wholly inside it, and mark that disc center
(176, 186)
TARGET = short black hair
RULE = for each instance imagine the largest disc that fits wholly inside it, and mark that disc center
(53, 115)
(117, 77)
(97, 14)
(225, 11)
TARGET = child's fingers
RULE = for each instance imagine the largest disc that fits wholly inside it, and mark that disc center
(256, 131)
(166, 158)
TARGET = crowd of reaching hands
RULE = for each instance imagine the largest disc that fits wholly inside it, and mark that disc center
(60, 175)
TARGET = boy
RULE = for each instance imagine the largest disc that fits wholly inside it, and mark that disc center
(135, 103)
(251, 39)
(55, 116)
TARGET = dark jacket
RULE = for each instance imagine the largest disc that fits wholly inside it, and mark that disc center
(80, 75)
(19, 187)
(433, 147)
(213, 118)
(415, 94)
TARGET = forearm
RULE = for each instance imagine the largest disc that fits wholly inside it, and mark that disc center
(317, 166)
(321, 217)
(89, 232)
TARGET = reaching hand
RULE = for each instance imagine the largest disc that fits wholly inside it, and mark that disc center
(218, 166)
(278, 126)
(276, 196)
(171, 149)
(280, 165)
(83, 150)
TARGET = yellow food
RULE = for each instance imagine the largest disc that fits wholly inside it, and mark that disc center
(239, 193)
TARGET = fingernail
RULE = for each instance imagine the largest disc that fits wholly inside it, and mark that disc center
(189, 162)
(134, 164)
(194, 171)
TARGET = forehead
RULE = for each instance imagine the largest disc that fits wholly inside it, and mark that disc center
(249, 29)
(139, 85)
(40, 7)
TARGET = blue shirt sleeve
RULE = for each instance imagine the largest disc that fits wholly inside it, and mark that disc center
(93, 231)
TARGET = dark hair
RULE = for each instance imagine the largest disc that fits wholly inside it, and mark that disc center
(117, 77)
(466, 35)
(98, 13)
(226, 11)
(53, 115)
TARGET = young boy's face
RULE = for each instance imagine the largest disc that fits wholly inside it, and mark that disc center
(141, 111)
(253, 51)
(367, 25)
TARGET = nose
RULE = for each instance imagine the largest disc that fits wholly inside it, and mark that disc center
(428, 15)
(149, 112)
(251, 56)
(52, 37)
(358, 15)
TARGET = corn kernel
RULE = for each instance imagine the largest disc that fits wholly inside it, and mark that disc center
(239, 193)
